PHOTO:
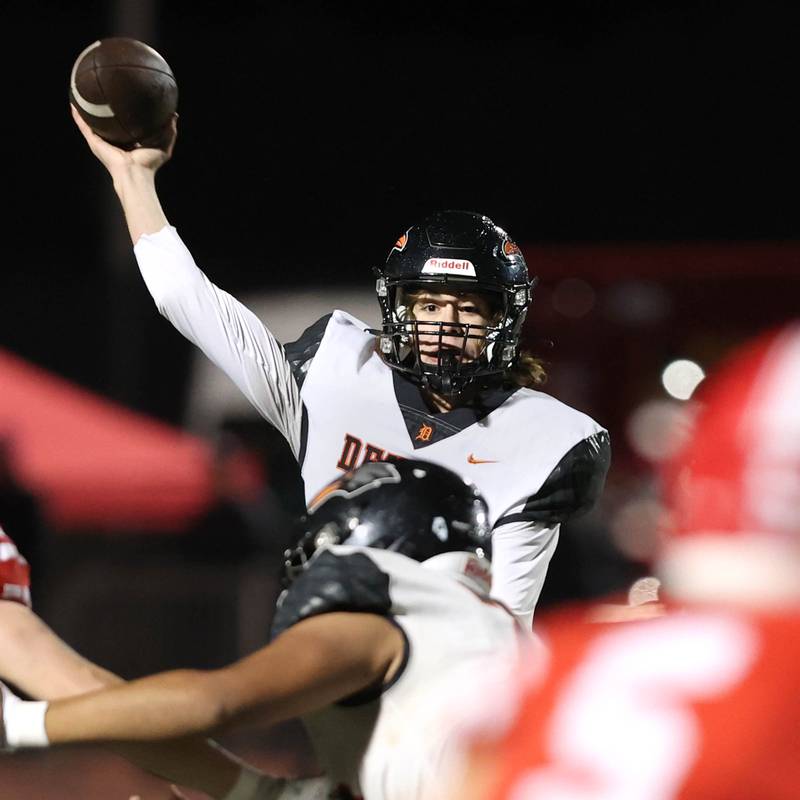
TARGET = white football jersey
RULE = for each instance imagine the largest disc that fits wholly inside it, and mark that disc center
(535, 460)
(447, 626)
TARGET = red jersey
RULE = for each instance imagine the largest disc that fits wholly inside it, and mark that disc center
(14, 573)
(695, 705)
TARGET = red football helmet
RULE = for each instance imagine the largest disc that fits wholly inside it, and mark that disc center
(739, 472)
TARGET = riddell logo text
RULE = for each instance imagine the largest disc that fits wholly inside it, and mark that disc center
(454, 264)
(449, 266)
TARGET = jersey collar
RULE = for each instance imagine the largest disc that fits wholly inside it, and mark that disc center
(426, 427)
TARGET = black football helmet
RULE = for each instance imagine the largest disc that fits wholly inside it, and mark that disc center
(452, 252)
(411, 506)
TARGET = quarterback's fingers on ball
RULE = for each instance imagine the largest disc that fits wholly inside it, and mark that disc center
(173, 134)
(79, 121)
(98, 146)
(166, 140)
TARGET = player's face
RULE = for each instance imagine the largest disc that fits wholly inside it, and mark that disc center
(455, 312)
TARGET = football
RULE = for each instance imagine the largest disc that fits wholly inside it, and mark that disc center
(125, 91)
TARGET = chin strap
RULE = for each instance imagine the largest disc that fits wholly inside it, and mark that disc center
(464, 383)
(448, 363)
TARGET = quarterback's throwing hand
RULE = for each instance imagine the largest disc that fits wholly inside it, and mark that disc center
(114, 158)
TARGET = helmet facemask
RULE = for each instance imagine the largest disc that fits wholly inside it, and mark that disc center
(297, 558)
(450, 375)
(454, 252)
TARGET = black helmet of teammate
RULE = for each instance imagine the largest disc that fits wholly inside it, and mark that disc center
(411, 506)
(453, 252)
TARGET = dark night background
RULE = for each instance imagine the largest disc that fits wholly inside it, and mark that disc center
(639, 147)
(647, 149)
(312, 133)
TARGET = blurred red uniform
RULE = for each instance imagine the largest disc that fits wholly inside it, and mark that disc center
(14, 573)
(702, 702)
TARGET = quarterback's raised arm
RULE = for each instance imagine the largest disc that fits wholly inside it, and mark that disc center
(230, 335)
(133, 173)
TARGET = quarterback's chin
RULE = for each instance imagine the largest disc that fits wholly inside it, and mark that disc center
(436, 357)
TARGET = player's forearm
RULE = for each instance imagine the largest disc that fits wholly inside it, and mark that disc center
(135, 186)
(521, 554)
(194, 761)
(164, 706)
(35, 660)
(66, 675)
(310, 666)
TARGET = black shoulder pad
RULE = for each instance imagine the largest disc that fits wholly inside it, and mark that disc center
(351, 582)
(572, 487)
(300, 353)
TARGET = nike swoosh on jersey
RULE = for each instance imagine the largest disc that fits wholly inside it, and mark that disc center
(472, 460)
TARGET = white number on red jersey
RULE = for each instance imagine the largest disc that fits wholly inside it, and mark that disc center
(623, 728)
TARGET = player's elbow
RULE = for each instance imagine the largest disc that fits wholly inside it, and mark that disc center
(166, 298)
(168, 289)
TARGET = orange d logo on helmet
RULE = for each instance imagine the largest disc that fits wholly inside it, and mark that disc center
(400, 243)
(511, 249)
(369, 475)
(324, 494)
